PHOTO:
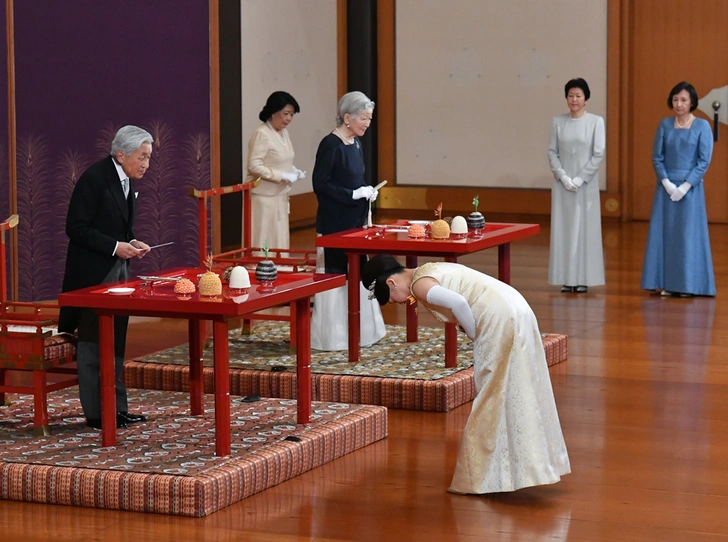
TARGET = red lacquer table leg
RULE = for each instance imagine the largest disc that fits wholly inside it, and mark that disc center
(222, 387)
(411, 263)
(292, 330)
(303, 359)
(108, 378)
(451, 334)
(196, 332)
(354, 316)
(504, 263)
(40, 403)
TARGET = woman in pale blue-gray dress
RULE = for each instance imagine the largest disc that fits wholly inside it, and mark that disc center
(678, 260)
(576, 149)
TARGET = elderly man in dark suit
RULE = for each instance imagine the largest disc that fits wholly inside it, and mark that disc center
(99, 226)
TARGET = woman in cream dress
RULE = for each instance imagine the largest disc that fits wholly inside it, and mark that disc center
(270, 158)
(513, 437)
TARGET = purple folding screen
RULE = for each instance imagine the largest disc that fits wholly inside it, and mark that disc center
(83, 69)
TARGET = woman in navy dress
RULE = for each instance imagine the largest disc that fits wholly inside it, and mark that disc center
(678, 260)
(343, 204)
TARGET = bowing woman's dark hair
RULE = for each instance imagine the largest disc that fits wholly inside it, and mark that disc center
(277, 101)
(580, 84)
(684, 85)
(375, 273)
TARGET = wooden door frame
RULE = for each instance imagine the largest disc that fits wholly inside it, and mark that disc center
(12, 147)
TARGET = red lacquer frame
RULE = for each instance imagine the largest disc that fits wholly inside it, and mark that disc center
(158, 299)
(393, 239)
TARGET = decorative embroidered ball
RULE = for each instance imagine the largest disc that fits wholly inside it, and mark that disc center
(209, 283)
(439, 230)
(266, 271)
(416, 231)
(476, 221)
(184, 287)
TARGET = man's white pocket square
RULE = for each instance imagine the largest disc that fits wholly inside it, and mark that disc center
(136, 195)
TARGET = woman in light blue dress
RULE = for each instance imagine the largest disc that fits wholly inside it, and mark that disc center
(678, 260)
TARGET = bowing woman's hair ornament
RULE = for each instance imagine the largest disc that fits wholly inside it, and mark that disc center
(411, 299)
(372, 295)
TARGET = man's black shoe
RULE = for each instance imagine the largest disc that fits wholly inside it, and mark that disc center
(128, 418)
(96, 423)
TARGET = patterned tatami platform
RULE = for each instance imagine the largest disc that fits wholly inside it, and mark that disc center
(391, 373)
(168, 465)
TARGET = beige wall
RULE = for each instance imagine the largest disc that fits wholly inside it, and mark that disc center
(291, 45)
(478, 82)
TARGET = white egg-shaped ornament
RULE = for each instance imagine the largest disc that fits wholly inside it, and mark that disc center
(239, 279)
(458, 228)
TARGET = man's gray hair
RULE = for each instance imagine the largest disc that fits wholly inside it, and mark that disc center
(130, 138)
(353, 104)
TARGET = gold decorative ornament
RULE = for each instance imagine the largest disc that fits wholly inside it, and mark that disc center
(210, 283)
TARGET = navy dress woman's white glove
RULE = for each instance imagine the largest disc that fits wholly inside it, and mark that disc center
(363, 192)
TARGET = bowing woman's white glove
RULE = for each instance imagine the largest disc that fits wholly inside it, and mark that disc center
(680, 191)
(442, 297)
(669, 187)
(568, 183)
(290, 176)
(365, 192)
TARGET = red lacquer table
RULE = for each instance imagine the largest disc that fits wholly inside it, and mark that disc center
(392, 239)
(158, 299)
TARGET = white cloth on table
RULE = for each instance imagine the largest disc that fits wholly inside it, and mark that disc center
(330, 318)
(32, 329)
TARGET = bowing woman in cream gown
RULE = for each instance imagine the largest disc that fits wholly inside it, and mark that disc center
(513, 437)
(270, 157)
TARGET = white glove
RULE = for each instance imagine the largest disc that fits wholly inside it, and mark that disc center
(290, 177)
(363, 192)
(374, 195)
(442, 297)
(669, 187)
(568, 183)
(577, 181)
(301, 174)
(680, 191)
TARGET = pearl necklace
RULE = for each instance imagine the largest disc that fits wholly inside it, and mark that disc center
(346, 139)
(282, 138)
(687, 123)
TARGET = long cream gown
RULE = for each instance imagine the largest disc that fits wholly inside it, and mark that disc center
(270, 154)
(513, 437)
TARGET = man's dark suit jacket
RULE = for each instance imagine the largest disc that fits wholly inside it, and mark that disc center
(98, 217)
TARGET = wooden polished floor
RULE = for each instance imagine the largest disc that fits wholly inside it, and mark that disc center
(643, 401)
